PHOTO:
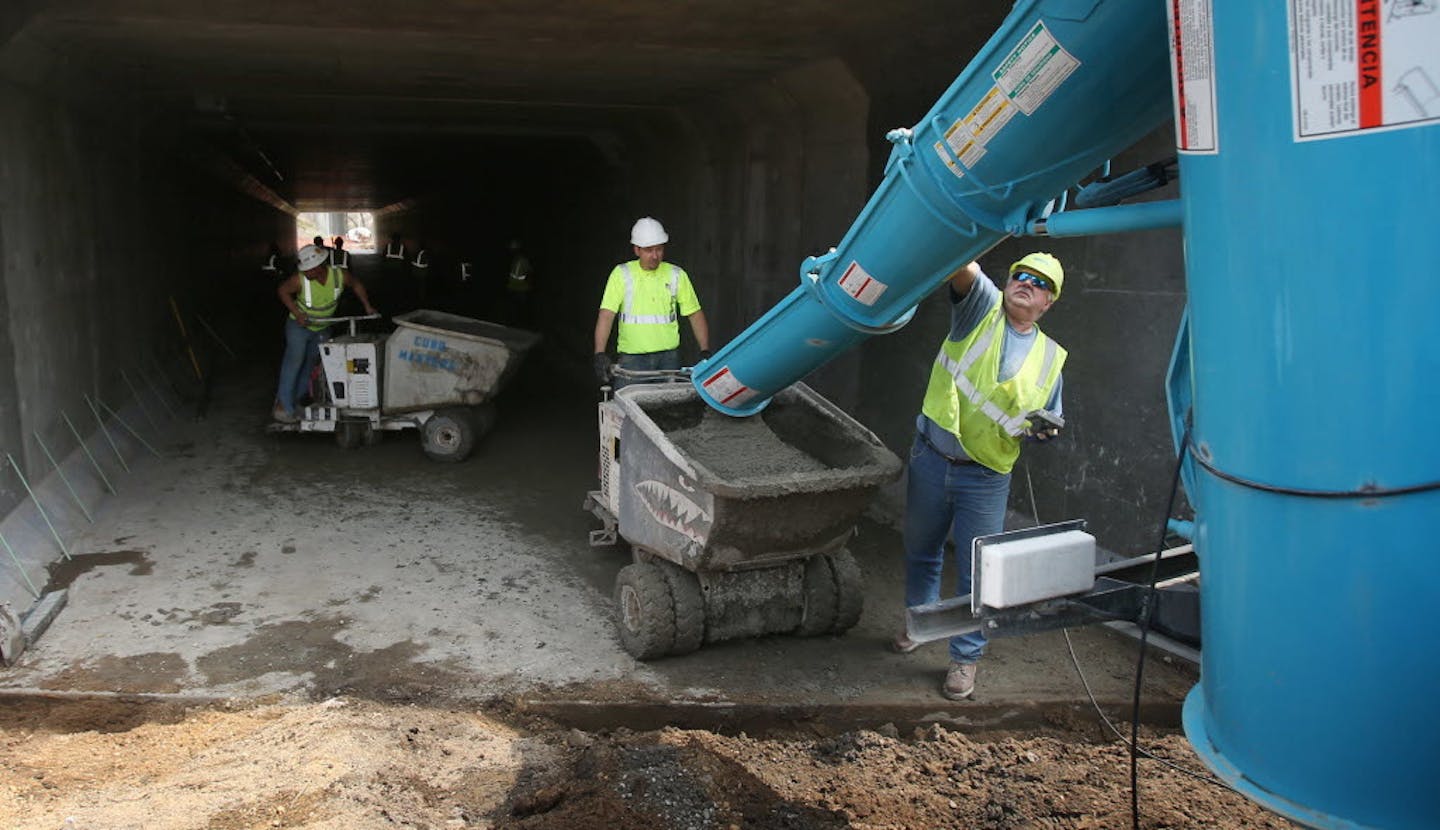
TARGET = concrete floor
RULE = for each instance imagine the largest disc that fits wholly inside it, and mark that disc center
(252, 566)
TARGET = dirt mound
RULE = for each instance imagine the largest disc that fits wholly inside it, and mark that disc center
(355, 765)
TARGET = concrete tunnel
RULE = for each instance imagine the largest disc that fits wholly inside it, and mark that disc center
(156, 149)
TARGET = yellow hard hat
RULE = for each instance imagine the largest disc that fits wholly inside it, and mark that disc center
(1046, 265)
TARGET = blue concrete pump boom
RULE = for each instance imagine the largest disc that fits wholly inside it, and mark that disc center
(1309, 147)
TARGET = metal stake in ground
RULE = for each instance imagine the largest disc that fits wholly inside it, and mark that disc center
(145, 375)
(38, 505)
(143, 408)
(61, 473)
(81, 442)
(129, 428)
(21, 568)
(103, 429)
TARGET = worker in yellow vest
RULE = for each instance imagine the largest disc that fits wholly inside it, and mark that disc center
(311, 297)
(997, 375)
(649, 296)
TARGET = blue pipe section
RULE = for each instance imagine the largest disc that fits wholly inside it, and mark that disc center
(1145, 216)
(1312, 340)
(1185, 530)
(1061, 87)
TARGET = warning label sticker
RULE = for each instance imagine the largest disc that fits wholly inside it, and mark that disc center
(968, 136)
(1034, 69)
(1360, 65)
(1192, 75)
(724, 387)
(860, 285)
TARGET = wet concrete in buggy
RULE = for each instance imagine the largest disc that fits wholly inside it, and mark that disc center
(741, 448)
(247, 566)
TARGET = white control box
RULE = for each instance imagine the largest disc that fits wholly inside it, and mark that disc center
(352, 370)
(1029, 569)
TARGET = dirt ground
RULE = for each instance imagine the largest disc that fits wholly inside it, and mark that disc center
(349, 763)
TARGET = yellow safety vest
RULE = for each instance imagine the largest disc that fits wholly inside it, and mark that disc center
(319, 299)
(648, 319)
(985, 415)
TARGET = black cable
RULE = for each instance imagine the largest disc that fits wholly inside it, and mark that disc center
(1198, 776)
(1085, 682)
(1369, 491)
(1145, 611)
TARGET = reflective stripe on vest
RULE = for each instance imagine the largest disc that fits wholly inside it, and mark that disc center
(987, 431)
(648, 319)
(319, 300)
(343, 260)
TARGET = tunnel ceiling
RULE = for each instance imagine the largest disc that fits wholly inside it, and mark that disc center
(315, 100)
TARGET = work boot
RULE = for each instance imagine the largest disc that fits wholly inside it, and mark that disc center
(283, 415)
(959, 681)
(902, 644)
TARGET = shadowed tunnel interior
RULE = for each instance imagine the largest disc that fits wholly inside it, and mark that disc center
(156, 149)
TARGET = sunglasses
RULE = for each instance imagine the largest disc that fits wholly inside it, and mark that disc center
(1037, 281)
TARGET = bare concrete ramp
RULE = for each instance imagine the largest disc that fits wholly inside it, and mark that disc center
(255, 566)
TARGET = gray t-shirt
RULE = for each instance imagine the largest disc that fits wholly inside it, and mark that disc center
(965, 314)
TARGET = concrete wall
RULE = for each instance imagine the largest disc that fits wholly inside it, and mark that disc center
(81, 288)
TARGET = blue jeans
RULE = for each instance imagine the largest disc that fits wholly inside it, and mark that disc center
(649, 362)
(302, 350)
(961, 500)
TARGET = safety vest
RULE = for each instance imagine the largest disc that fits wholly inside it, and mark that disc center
(519, 279)
(319, 299)
(649, 323)
(986, 415)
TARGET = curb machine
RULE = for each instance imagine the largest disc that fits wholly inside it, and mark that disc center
(738, 525)
(1303, 130)
(436, 372)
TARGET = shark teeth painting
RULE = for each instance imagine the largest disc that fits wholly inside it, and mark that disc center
(674, 509)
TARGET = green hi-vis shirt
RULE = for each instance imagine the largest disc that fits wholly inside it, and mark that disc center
(646, 302)
(319, 299)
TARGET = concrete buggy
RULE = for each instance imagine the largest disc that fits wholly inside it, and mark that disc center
(738, 526)
(436, 372)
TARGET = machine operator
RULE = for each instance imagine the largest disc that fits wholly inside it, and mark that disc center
(995, 367)
(311, 296)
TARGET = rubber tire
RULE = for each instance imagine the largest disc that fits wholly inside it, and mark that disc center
(689, 604)
(849, 590)
(351, 434)
(820, 601)
(644, 612)
(448, 435)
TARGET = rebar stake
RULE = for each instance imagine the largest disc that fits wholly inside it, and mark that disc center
(128, 428)
(106, 431)
(81, 441)
(63, 477)
(38, 505)
(19, 567)
(143, 408)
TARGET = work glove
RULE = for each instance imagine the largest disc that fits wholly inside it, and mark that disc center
(704, 354)
(602, 368)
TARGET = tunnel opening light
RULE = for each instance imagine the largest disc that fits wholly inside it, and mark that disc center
(356, 229)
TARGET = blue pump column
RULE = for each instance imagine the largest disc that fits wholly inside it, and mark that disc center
(1314, 353)
(1061, 87)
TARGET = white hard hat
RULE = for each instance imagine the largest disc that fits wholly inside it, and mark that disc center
(311, 256)
(647, 232)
